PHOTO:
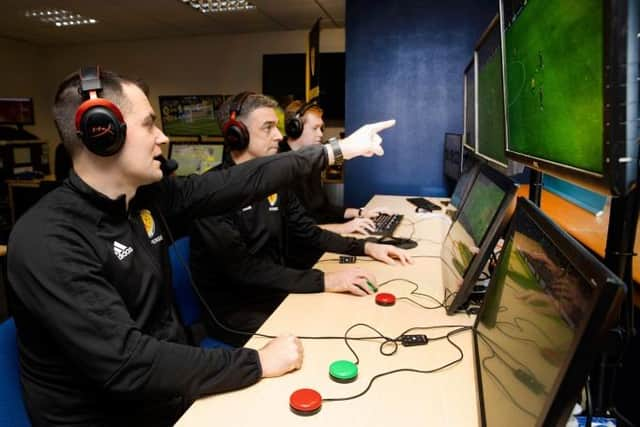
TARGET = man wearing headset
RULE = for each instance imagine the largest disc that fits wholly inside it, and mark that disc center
(99, 340)
(238, 260)
(305, 127)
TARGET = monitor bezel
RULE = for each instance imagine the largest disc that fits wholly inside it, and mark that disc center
(498, 223)
(20, 98)
(473, 172)
(471, 145)
(460, 148)
(605, 305)
(162, 98)
(194, 142)
(615, 180)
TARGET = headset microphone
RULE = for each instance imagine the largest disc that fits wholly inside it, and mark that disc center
(168, 166)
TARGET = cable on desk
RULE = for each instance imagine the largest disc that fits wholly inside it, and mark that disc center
(419, 371)
(213, 317)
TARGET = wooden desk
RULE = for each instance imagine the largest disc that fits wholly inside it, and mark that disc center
(585, 227)
(406, 399)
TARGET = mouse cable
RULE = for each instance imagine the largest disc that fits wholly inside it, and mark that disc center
(419, 371)
(394, 341)
(367, 258)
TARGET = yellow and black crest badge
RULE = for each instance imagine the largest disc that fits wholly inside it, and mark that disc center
(273, 199)
(149, 223)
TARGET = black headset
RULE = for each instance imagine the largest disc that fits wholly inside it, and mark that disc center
(99, 122)
(294, 125)
(235, 133)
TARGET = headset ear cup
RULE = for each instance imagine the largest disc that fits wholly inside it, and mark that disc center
(236, 135)
(294, 128)
(101, 127)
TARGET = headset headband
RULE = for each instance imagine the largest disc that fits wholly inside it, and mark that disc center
(305, 107)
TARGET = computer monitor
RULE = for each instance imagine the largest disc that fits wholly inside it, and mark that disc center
(548, 307)
(469, 117)
(571, 89)
(190, 115)
(463, 185)
(195, 157)
(452, 155)
(490, 114)
(473, 235)
(16, 111)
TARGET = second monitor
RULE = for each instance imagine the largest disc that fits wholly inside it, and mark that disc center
(195, 157)
(473, 235)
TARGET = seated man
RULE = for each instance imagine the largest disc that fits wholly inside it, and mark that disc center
(99, 340)
(238, 260)
(305, 127)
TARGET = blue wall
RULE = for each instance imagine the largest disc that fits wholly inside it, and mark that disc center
(404, 60)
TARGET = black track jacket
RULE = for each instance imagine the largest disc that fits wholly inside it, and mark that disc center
(99, 340)
(238, 260)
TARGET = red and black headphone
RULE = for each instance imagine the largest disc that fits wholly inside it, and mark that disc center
(235, 133)
(99, 122)
(294, 125)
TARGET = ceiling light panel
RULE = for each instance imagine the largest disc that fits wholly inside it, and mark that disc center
(59, 17)
(214, 6)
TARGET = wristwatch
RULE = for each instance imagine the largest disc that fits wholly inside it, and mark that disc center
(337, 152)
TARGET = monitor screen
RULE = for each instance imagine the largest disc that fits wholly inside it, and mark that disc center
(548, 300)
(566, 115)
(469, 118)
(490, 101)
(190, 115)
(452, 155)
(21, 155)
(195, 157)
(463, 185)
(473, 235)
(16, 111)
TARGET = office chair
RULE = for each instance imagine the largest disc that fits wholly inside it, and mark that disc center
(12, 410)
(187, 301)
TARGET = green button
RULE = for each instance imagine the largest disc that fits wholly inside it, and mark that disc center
(343, 371)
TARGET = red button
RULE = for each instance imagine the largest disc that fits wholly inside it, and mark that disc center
(305, 401)
(385, 299)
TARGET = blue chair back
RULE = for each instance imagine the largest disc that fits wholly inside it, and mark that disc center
(12, 410)
(187, 301)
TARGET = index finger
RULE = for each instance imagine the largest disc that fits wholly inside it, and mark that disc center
(378, 126)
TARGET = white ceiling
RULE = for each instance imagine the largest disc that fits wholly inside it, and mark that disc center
(121, 20)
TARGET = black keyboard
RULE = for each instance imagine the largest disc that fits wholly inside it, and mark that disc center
(422, 203)
(386, 224)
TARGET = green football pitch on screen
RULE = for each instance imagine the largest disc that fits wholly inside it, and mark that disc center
(554, 75)
(491, 131)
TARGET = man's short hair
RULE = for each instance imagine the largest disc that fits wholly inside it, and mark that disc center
(252, 102)
(68, 99)
(294, 107)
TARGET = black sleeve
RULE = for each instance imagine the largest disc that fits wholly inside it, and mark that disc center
(330, 214)
(220, 191)
(62, 273)
(304, 229)
(221, 241)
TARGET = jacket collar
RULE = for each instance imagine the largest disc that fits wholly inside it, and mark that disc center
(116, 206)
